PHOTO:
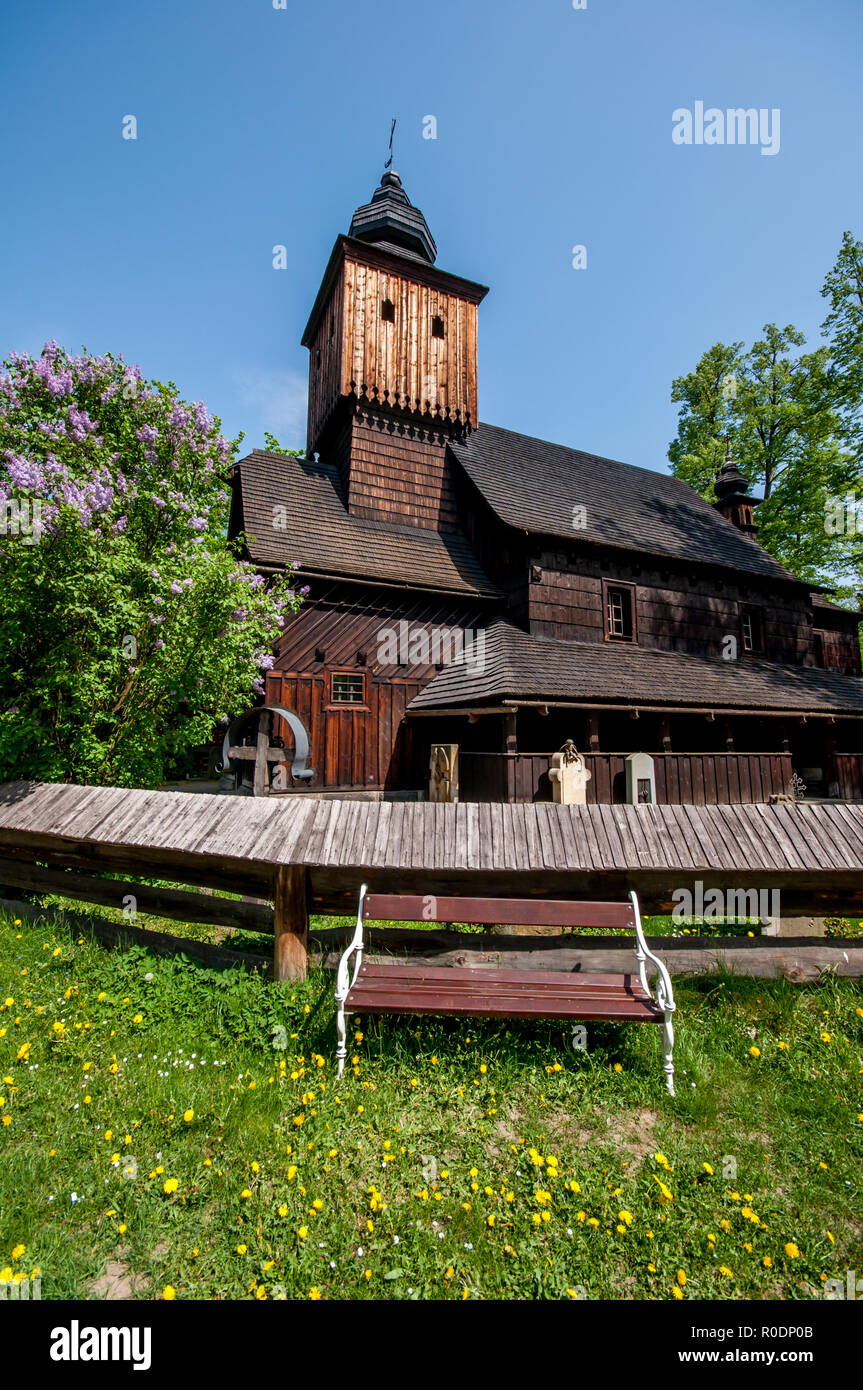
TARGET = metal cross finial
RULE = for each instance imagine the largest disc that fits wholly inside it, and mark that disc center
(389, 163)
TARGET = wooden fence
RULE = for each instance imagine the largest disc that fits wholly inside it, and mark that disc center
(690, 779)
(295, 855)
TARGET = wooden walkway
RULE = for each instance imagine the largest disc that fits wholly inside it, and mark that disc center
(302, 852)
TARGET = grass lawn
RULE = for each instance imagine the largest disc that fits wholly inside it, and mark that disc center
(169, 1129)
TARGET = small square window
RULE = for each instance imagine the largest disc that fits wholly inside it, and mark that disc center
(388, 311)
(347, 688)
(437, 326)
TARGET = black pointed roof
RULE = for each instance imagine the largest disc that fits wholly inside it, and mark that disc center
(392, 221)
(731, 483)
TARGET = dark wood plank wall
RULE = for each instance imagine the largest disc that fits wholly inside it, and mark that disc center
(675, 612)
(398, 471)
(846, 772)
(696, 779)
(841, 649)
(372, 747)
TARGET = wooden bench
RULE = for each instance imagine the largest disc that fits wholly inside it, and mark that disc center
(491, 993)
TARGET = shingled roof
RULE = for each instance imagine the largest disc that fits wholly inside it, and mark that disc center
(533, 485)
(518, 666)
(325, 539)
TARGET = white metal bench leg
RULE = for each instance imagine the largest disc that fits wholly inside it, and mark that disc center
(342, 1049)
(668, 1049)
(664, 997)
(345, 982)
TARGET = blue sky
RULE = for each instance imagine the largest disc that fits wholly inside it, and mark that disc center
(260, 126)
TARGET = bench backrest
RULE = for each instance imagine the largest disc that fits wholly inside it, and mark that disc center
(505, 912)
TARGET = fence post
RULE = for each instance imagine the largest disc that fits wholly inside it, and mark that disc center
(291, 923)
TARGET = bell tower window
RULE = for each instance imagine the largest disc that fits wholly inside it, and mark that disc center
(437, 326)
(388, 311)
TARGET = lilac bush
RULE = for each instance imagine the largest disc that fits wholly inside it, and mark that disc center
(128, 627)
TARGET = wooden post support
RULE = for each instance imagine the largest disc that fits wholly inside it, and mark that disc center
(592, 724)
(291, 922)
(510, 745)
(665, 732)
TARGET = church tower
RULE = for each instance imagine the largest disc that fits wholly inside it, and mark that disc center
(393, 364)
(731, 490)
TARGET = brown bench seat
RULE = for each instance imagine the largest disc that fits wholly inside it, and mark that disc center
(459, 991)
(490, 993)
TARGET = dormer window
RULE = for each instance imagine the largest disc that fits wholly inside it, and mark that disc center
(388, 311)
(437, 326)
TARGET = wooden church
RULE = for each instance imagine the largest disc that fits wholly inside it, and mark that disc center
(479, 598)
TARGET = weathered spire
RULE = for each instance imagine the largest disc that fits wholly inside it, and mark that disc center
(391, 220)
(731, 488)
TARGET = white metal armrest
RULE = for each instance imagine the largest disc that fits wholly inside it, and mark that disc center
(664, 992)
(344, 980)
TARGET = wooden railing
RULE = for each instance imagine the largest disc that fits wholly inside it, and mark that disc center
(697, 779)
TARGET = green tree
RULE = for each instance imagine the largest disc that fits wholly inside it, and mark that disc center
(128, 627)
(843, 329)
(776, 409)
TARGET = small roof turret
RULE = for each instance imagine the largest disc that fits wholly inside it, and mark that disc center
(391, 220)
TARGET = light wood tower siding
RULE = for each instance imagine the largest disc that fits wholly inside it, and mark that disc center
(400, 364)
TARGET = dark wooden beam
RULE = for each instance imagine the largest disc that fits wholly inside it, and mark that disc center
(204, 871)
(160, 902)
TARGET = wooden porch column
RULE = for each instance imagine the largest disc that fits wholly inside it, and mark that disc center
(510, 740)
(592, 722)
(830, 773)
(728, 735)
(665, 732)
(291, 923)
(510, 745)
